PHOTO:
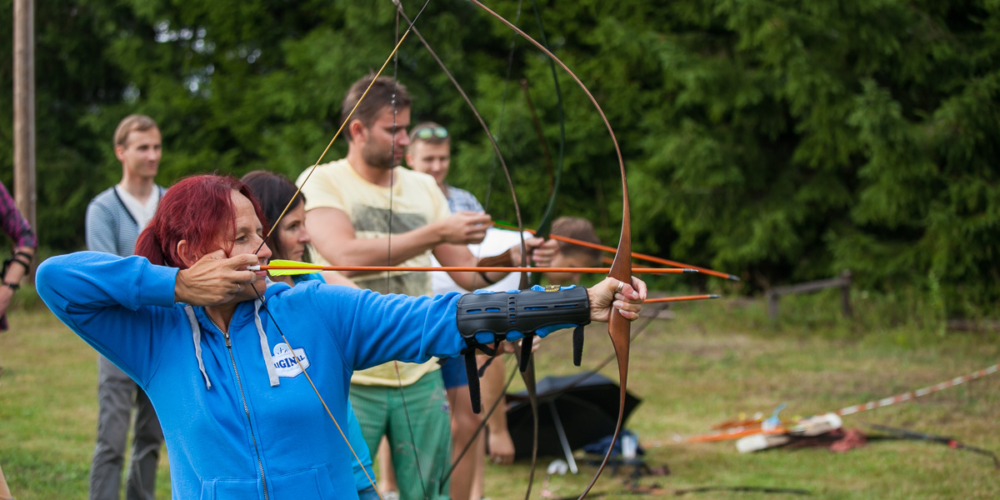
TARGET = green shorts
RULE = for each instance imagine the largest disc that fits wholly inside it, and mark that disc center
(421, 459)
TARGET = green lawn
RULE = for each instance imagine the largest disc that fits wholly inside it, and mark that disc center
(712, 362)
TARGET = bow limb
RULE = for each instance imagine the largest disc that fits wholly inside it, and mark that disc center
(621, 269)
(545, 225)
(541, 137)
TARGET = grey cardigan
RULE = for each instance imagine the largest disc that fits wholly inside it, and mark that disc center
(111, 228)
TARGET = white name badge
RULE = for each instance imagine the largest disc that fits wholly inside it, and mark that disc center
(289, 365)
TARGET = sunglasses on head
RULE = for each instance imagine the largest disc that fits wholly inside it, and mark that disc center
(428, 132)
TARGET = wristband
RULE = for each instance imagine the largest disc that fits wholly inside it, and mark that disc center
(12, 286)
(12, 260)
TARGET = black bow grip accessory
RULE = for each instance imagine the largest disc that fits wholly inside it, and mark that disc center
(486, 318)
(24, 262)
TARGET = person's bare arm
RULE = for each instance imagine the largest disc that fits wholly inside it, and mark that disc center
(334, 238)
(459, 256)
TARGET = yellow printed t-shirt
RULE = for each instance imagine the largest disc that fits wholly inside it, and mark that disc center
(416, 201)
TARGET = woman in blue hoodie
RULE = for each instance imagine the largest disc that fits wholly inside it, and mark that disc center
(209, 343)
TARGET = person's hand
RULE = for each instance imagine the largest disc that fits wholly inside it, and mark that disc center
(464, 228)
(530, 244)
(501, 447)
(6, 293)
(215, 279)
(543, 252)
(613, 294)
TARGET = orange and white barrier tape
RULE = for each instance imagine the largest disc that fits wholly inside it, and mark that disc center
(751, 429)
(919, 392)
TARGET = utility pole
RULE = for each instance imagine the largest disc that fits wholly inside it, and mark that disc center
(24, 109)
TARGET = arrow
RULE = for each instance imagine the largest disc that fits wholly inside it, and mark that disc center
(680, 299)
(290, 268)
(636, 255)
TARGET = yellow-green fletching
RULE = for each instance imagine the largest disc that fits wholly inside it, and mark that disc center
(300, 268)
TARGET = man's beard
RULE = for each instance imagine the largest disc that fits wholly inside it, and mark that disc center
(378, 156)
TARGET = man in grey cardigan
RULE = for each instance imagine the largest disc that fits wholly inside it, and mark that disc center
(114, 220)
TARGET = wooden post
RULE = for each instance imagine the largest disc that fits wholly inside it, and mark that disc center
(772, 305)
(845, 294)
(24, 109)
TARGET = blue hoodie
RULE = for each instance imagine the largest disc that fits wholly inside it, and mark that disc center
(364, 475)
(245, 423)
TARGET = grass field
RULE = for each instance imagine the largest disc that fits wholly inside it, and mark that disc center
(708, 364)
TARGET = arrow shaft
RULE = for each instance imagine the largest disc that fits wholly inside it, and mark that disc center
(680, 299)
(588, 270)
(635, 255)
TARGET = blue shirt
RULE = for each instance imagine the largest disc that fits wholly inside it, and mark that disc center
(460, 200)
(222, 440)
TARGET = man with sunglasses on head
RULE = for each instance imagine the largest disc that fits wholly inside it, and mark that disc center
(430, 152)
(367, 210)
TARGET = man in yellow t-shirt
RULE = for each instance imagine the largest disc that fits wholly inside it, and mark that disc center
(367, 210)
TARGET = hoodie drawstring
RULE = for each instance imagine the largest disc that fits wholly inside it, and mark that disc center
(272, 374)
(196, 334)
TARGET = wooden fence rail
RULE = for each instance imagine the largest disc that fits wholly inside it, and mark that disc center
(843, 282)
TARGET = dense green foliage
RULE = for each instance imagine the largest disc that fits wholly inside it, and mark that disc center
(773, 139)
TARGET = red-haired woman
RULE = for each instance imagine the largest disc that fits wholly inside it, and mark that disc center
(205, 338)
